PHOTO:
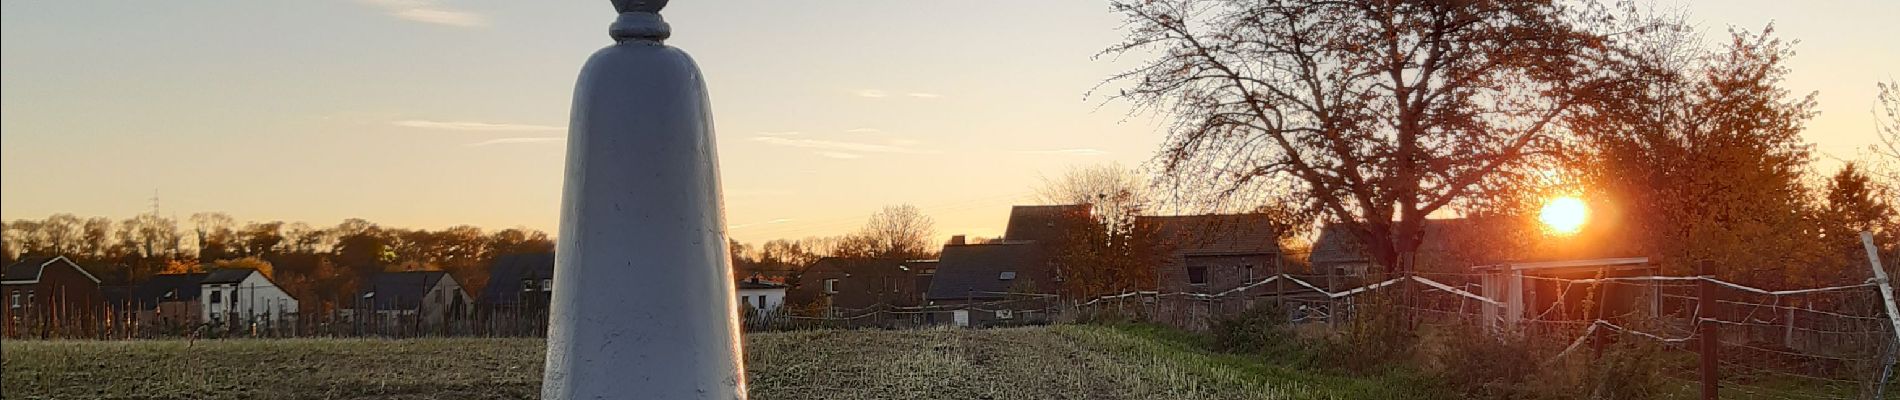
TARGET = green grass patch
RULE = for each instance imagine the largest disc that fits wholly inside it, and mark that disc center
(1283, 368)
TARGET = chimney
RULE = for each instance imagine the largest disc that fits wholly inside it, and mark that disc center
(956, 240)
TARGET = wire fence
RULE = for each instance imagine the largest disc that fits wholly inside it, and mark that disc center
(1832, 342)
(1827, 342)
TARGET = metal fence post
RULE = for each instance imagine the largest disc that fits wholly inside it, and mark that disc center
(643, 300)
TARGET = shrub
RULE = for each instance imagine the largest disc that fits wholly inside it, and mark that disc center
(1632, 369)
(1481, 365)
(1370, 340)
(1259, 329)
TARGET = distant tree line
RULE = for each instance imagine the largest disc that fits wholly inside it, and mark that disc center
(324, 266)
(898, 232)
(321, 266)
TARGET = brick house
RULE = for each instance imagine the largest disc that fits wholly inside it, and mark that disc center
(855, 283)
(224, 295)
(519, 285)
(169, 301)
(984, 274)
(427, 298)
(1450, 245)
(47, 294)
(981, 275)
(1213, 253)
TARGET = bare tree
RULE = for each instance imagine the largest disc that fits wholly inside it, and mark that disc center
(150, 236)
(1887, 129)
(63, 233)
(899, 231)
(26, 238)
(1372, 113)
(96, 241)
(1111, 190)
(215, 238)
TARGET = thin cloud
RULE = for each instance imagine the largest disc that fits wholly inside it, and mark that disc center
(840, 155)
(775, 221)
(428, 12)
(836, 146)
(1066, 152)
(517, 140)
(758, 193)
(472, 126)
(864, 130)
(879, 93)
(785, 133)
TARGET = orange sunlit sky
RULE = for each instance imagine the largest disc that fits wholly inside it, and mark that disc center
(427, 114)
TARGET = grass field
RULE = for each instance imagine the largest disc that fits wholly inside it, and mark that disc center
(1060, 362)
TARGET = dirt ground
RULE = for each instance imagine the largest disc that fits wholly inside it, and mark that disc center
(1063, 362)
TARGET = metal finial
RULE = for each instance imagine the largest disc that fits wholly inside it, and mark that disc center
(639, 21)
(649, 6)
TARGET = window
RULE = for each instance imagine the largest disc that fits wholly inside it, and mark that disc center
(527, 285)
(1197, 275)
(16, 298)
(217, 297)
(761, 302)
(1006, 276)
(547, 285)
(831, 286)
(1249, 271)
(1005, 314)
(29, 298)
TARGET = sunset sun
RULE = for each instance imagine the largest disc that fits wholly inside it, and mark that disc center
(1564, 215)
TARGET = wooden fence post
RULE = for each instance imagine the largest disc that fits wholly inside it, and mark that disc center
(1880, 278)
(1709, 342)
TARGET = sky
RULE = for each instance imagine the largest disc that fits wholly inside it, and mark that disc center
(429, 114)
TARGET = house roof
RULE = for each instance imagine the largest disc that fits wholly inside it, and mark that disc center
(1593, 263)
(166, 287)
(921, 265)
(29, 270)
(508, 270)
(976, 271)
(757, 284)
(1455, 244)
(1338, 243)
(859, 265)
(117, 297)
(401, 290)
(1043, 223)
(1214, 233)
(227, 275)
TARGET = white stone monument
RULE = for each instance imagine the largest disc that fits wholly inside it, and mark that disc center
(643, 303)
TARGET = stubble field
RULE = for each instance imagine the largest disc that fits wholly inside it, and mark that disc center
(1059, 362)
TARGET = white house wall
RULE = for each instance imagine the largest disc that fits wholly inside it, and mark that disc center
(773, 298)
(437, 305)
(254, 298)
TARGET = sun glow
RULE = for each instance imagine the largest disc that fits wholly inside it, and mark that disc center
(1564, 215)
